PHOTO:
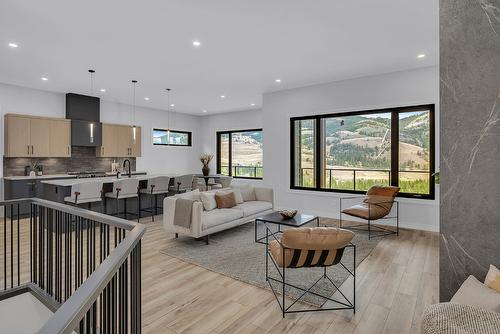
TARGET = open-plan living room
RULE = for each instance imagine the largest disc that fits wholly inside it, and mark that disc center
(231, 167)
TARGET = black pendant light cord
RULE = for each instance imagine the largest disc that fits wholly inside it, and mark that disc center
(134, 82)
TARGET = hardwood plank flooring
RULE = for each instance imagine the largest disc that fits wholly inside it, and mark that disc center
(395, 284)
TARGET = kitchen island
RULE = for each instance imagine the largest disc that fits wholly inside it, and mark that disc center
(57, 189)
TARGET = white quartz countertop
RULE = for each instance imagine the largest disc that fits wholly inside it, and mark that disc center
(111, 179)
(42, 177)
(56, 176)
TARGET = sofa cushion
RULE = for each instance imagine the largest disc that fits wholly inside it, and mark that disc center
(247, 192)
(208, 200)
(492, 280)
(194, 195)
(472, 292)
(219, 216)
(253, 207)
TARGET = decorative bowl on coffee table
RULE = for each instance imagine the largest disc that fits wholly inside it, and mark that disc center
(288, 214)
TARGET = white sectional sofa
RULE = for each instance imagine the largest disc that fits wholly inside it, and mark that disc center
(257, 201)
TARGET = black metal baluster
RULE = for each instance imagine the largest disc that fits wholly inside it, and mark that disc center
(18, 250)
(5, 247)
(11, 246)
(31, 240)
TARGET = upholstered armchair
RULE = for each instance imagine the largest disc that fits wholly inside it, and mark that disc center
(376, 205)
(308, 247)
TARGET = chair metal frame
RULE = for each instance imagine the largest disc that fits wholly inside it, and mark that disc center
(347, 305)
(379, 230)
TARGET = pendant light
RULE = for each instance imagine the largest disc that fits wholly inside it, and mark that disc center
(134, 130)
(91, 125)
(168, 115)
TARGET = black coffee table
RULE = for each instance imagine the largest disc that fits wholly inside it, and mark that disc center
(275, 218)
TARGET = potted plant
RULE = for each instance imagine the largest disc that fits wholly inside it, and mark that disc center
(205, 160)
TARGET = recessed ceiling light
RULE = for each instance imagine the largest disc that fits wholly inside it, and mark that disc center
(196, 43)
(223, 96)
(13, 45)
(103, 90)
(422, 55)
(278, 80)
(172, 105)
(45, 79)
(146, 98)
(253, 104)
(204, 111)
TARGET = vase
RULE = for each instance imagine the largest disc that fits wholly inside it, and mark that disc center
(205, 170)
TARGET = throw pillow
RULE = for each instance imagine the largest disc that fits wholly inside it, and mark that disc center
(225, 200)
(247, 192)
(492, 280)
(208, 200)
(237, 195)
(472, 292)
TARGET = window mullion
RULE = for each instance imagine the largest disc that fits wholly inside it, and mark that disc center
(394, 149)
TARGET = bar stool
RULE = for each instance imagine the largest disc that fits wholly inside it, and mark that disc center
(86, 192)
(156, 186)
(182, 183)
(124, 189)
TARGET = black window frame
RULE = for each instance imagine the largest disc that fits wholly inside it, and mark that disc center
(230, 158)
(189, 133)
(394, 179)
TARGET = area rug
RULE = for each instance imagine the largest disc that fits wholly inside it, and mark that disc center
(234, 253)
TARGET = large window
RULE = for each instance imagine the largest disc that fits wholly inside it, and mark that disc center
(171, 137)
(350, 152)
(239, 153)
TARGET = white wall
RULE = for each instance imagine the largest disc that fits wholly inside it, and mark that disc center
(155, 159)
(389, 90)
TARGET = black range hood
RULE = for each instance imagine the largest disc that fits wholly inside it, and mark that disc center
(84, 113)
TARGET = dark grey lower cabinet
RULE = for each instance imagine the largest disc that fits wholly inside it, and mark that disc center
(15, 189)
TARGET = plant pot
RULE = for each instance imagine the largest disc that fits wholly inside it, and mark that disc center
(205, 170)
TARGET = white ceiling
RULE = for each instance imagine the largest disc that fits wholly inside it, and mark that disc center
(246, 45)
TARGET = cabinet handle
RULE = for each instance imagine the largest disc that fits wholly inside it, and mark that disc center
(32, 149)
(68, 150)
(102, 150)
(28, 150)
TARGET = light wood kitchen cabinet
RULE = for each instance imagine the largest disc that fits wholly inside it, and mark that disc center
(60, 138)
(40, 137)
(124, 140)
(109, 147)
(118, 141)
(17, 136)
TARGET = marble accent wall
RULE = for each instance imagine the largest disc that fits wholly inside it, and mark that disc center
(82, 159)
(470, 140)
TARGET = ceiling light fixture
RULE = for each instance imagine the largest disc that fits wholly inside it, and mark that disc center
(146, 98)
(103, 90)
(204, 111)
(422, 55)
(13, 45)
(45, 79)
(278, 80)
(196, 43)
(223, 96)
(253, 104)
(134, 130)
(172, 105)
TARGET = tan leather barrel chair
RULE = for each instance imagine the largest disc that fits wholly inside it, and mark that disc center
(309, 247)
(376, 204)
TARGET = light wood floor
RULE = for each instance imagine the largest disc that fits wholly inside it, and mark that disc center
(394, 285)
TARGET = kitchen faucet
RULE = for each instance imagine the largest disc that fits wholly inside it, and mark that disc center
(124, 163)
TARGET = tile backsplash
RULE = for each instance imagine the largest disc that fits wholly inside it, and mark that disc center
(82, 159)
